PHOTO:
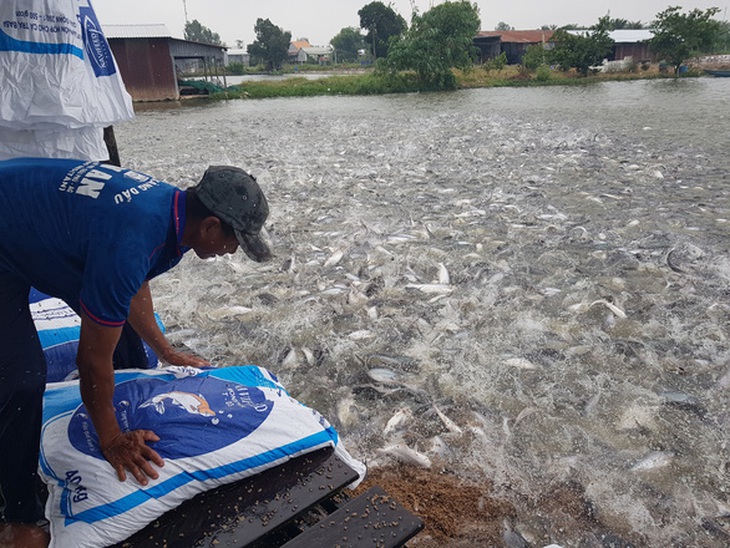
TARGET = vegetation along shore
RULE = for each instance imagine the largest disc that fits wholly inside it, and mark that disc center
(437, 52)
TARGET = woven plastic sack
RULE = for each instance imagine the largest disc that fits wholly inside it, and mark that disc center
(59, 328)
(59, 77)
(216, 426)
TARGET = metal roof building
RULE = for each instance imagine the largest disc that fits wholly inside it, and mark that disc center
(626, 43)
(149, 59)
(513, 43)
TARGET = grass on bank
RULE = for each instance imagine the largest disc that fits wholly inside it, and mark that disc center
(372, 83)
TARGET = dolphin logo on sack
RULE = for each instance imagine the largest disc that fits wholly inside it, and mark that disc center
(192, 403)
(192, 415)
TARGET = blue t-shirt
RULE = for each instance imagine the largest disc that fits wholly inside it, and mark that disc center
(86, 232)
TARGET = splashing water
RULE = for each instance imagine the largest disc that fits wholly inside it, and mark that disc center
(527, 285)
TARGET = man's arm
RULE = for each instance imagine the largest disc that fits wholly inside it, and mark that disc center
(142, 319)
(125, 451)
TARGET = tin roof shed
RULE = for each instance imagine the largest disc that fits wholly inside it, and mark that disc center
(147, 55)
(147, 30)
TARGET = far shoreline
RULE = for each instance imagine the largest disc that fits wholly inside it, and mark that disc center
(354, 81)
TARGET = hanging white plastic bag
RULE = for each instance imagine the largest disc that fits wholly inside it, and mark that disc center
(59, 79)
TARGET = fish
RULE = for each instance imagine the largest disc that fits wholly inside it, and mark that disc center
(451, 426)
(361, 334)
(402, 453)
(431, 289)
(335, 258)
(612, 307)
(724, 381)
(400, 239)
(228, 311)
(291, 360)
(684, 401)
(652, 461)
(520, 363)
(348, 413)
(397, 421)
(384, 376)
(309, 355)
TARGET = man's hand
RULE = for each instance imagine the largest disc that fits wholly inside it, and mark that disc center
(142, 319)
(129, 451)
(175, 357)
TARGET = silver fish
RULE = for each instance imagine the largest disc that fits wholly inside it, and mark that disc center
(406, 455)
(652, 461)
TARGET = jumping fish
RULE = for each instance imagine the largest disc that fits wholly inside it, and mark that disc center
(431, 289)
(406, 455)
(451, 426)
(612, 307)
(652, 461)
(384, 376)
(397, 421)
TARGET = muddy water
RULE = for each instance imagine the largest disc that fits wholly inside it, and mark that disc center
(527, 285)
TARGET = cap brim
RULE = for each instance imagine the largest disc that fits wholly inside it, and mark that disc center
(254, 246)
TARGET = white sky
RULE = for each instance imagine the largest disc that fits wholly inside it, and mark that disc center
(321, 20)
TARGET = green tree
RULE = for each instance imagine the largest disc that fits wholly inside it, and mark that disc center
(271, 44)
(382, 24)
(438, 40)
(535, 56)
(582, 51)
(723, 38)
(622, 24)
(496, 63)
(503, 26)
(348, 42)
(196, 32)
(678, 36)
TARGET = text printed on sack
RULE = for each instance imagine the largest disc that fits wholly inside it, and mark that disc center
(49, 23)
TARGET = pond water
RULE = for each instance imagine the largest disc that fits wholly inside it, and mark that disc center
(523, 285)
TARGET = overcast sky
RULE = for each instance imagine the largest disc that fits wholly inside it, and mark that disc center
(321, 20)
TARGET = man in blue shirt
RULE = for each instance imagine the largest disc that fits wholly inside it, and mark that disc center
(94, 235)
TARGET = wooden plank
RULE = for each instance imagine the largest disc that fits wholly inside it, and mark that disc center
(251, 509)
(372, 519)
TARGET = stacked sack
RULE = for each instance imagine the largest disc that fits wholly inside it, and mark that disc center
(61, 86)
(59, 328)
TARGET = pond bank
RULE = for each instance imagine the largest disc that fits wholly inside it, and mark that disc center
(368, 82)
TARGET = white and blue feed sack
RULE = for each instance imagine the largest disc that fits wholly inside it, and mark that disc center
(59, 328)
(216, 426)
(60, 82)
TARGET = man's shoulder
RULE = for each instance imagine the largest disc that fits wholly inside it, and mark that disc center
(21, 164)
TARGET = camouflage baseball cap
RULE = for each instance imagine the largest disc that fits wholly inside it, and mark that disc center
(235, 197)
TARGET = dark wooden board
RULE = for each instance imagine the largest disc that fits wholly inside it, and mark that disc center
(374, 519)
(250, 510)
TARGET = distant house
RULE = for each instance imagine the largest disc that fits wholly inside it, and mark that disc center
(301, 51)
(631, 43)
(296, 51)
(513, 43)
(321, 55)
(149, 59)
(238, 56)
(627, 44)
